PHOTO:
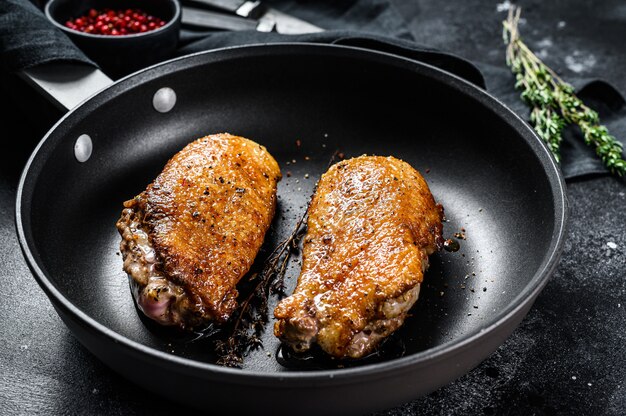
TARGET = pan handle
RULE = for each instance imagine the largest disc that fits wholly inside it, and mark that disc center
(65, 84)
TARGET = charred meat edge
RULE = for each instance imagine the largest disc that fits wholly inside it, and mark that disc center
(156, 296)
(300, 332)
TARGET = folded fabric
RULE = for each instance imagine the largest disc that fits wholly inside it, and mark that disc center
(577, 159)
(28, 39)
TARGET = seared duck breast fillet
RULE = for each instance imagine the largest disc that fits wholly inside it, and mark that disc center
(195, 231)
(372, 225)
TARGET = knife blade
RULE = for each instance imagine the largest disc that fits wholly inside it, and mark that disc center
(267, 16)
(243, 8)
(205, 19)
(287, 24)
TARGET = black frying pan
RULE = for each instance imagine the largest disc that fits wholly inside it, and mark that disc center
(494, 177)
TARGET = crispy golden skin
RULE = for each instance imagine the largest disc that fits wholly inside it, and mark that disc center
(372, 224)
(205, 217)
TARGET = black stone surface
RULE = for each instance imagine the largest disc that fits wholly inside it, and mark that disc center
(567, 357)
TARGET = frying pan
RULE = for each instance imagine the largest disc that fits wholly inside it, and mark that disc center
(500, 188)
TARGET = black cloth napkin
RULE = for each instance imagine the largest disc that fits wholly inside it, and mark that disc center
(577, 159)
(28, 39)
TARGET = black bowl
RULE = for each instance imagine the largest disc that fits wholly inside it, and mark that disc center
(121, 55)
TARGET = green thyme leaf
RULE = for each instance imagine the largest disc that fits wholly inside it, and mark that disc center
(553, 102)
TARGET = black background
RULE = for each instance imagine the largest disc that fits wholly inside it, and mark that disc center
(569, 354)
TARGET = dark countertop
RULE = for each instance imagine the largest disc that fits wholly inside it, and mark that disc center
(568, 355)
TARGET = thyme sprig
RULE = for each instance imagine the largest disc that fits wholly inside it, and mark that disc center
(253, 314)
(554, 103)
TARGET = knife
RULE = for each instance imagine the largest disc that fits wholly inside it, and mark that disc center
(266, 16)
(243, 8)
(211, 20)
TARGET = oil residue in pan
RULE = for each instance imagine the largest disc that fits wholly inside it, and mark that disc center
(316, 359)
(201, 345)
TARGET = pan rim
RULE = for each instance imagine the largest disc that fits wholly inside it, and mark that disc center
(345, 375)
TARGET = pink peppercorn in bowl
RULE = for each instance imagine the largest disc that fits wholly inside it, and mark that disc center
(121, 36)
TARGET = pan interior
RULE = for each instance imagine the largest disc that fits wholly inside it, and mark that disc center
(492, 184)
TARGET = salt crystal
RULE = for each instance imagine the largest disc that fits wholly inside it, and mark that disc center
(504, 6)
(580, 62)
(545, 43)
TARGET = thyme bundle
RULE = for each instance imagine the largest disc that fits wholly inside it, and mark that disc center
(553, 102)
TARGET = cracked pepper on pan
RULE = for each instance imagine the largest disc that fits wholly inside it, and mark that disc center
(372, 224)
(195, 231)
